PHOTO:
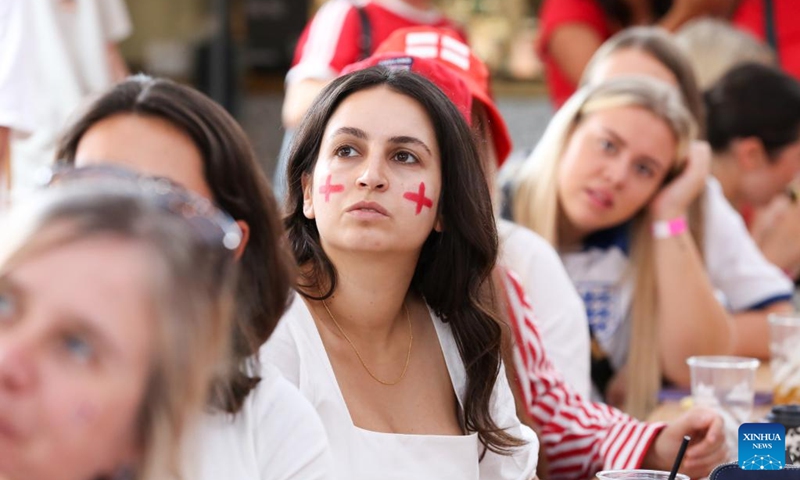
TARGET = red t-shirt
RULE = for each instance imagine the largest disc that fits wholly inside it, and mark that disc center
(749, 16)
(557, 13)
(332, 40)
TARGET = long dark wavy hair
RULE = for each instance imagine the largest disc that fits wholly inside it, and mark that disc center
(239, 187)
(454, 267)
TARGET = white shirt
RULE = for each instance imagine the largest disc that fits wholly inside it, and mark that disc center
(742, 277)
(16, 72)
(66, 61)
(296, 348)
(276, 435)
(559, 313)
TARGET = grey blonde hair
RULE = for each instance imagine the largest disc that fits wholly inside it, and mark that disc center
(714, 47)
(191, 284)
(662, 46)
(535, 205)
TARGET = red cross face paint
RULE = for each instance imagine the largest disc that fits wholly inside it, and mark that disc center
(329, 188)
(419, 198)
(375, 185)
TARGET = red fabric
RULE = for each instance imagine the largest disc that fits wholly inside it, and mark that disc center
(444, 47)
(557, 13)
(337, 28)
(749, 16)
(579, 437)
(443, 77)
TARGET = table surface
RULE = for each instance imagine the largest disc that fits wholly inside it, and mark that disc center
(672, 409)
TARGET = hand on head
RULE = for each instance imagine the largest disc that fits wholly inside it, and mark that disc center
(675, 197)
(776, 229)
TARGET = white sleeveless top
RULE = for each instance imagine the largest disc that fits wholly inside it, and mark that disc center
(297, 350)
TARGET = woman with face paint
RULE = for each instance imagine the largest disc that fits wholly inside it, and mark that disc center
(392, 336)
(547, 396)
(260, 427)
(115, 310)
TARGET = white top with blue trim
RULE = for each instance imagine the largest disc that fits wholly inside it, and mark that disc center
(742, 277)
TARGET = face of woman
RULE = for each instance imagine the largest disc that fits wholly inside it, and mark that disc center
(770, 177)
(76, 330)
(632, 61)
(149, 145)
(377, 180)
(613, 164)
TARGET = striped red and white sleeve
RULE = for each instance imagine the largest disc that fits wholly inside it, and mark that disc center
(579, 437)
(329, 43)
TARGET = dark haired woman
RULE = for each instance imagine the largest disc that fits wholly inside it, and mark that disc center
(160, 128)
(754, 130)
(572, 30)
(392, 338)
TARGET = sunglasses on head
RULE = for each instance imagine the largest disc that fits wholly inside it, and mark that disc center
(210, 223)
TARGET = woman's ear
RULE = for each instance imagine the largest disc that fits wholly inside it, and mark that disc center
(308, 196)
(749, 153)
(439, 225)
(245, 228)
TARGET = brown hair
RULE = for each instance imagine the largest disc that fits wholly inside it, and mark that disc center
(239, 187)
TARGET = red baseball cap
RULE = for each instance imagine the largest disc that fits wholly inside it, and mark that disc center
(445, 47)
(451, 84)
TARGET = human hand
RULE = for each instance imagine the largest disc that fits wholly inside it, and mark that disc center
(776, 230)
(706, 450)
(675, 197)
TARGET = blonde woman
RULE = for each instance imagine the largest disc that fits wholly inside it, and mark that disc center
(747, 284)
(115, 310)
(612, 179)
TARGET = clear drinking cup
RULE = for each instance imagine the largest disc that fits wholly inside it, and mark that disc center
(637, 475)
(785, 361)
(726, 384)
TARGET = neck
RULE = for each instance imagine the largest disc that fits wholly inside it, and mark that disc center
(370, 292)
(569, 237)
(723, 167)
(641, 12)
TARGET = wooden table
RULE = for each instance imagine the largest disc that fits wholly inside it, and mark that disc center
(671, 410)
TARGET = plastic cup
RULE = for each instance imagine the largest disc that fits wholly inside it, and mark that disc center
(726, 384)
(785, 361)
(637, 475)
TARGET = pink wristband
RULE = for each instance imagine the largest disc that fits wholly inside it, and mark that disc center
(669, 228)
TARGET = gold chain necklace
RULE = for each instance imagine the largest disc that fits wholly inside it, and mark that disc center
(352, 345)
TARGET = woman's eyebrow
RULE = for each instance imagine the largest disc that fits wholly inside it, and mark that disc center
(356, 132)
(404, 139)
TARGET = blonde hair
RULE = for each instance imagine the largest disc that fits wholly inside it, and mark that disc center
(713, 47)
(535, 205)
(191, 284)
(660, 45)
